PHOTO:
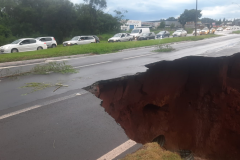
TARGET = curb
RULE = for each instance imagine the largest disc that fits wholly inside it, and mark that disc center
(15, 63)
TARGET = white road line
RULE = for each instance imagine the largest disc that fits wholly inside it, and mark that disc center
(118, 150)
(92, 64)
(40, 105)
(139, 56)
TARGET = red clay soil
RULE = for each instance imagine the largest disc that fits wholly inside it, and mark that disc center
(194, 102)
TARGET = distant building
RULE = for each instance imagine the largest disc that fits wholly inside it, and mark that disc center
(192, 24)
(168, 23)
(237, 22)
(131, 24)
(151, 24)
(155, 24)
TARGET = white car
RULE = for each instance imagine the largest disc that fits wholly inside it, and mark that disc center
(50, 41)
(228, 28)
(78, 40)
(220, 29)
(23, 45)
(120, 37)
(179, 33)
(198, 32)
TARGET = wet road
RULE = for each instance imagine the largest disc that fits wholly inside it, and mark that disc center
(70, 123)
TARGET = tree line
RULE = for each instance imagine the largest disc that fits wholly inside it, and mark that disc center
(58, 18)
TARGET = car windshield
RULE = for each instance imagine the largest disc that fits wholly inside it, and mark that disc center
(161, 32)
(145, 34)
(75, 38)
(205, 28)
(117, 35)
(17, 41)
(135, 31)
(179, 31)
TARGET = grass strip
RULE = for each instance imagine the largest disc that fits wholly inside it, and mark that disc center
(236, 32)
(99, 48)
(152, 151)
(164, 48)
(52, 67)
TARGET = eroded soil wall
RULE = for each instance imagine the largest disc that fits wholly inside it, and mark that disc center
(194, 102)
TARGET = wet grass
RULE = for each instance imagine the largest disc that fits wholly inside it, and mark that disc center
(236, 32)
(164, 48)
(52, 67)
(152, 151)
(99, 48)
(36, 87)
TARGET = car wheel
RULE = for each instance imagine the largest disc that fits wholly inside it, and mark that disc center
(39, 48)
(64, 44)
(53, 45)
(14, 51)
(147, 38)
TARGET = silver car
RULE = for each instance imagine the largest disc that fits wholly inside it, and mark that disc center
(23, 45)
(121, 37)
(179, 33)
(50, 41)
(78, 40)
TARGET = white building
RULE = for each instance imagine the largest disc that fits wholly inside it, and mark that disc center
(131, 24)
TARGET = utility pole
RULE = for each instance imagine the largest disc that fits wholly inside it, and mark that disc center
(196, 20)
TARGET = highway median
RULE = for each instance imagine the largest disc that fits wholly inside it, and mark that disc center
(99, 48)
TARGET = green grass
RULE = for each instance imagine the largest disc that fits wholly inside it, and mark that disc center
(164, 48)
(236, 32)
(53, 67)
(99, 48)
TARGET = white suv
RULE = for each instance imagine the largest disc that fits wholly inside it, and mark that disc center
(78, 40)
(50, 41)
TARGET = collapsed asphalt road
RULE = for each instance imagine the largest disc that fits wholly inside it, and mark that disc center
(76, 125)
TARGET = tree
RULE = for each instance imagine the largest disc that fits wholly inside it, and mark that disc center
(162, 25)
(58, 18)
(188, 16)
(171, 19)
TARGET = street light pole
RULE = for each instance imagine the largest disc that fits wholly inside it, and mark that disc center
(196, 20)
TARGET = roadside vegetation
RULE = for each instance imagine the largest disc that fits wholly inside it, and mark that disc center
(164, 48)
(152, 151)
(99, 48)
(52, 67)
(236, 32)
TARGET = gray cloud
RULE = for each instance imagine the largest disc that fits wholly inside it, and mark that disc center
(155, 9)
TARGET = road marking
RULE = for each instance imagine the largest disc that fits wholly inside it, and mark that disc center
(139, 56)
(92, 64)
(118, 150)
(40, 105)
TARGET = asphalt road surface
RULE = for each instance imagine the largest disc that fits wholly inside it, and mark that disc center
(70, 123)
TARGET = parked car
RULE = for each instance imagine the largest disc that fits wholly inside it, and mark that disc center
(78, 40)
(138, 31)
(179, 33)
(198, 32)
(96, 38)
(205, 31)
(120, 37)
(23, 45)
(212, 30)
(162, 34)
(220, 29)
(147, 36)
(50, 41)
(228, 28)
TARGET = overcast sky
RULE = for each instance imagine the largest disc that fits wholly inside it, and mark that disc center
(157, 9)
